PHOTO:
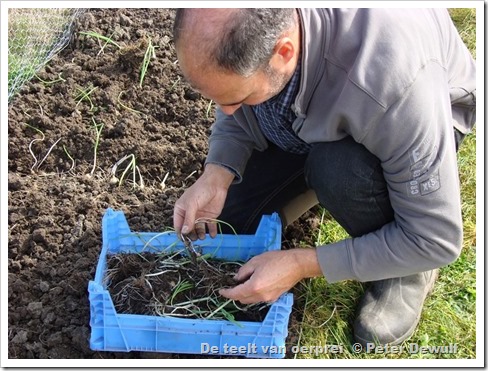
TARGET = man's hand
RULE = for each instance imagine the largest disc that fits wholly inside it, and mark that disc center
(204, 199)
(272, 273)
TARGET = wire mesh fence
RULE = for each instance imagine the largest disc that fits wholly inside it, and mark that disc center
(34, 37)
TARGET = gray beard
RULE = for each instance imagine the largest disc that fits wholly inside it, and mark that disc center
(277, 81)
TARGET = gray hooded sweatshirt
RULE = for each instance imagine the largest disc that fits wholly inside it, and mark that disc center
(397, 81)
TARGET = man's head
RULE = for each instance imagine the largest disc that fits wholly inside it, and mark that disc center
(237, 56)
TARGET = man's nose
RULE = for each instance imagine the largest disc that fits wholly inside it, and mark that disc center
(229, 110)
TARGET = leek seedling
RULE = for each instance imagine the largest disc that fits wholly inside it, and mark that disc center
(98, 131)
(130, 166)
(108, 40)
(150, 53)
(84, 94)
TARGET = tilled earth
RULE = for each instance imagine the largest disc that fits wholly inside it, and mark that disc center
(59, 174)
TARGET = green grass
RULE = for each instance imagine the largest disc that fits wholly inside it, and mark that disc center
(465, 21)
(449, 313)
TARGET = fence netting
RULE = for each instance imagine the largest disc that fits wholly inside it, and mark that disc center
(34, 37)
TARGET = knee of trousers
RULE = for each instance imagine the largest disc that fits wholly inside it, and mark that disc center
(349, 182)
(342, 172)
(327, 191)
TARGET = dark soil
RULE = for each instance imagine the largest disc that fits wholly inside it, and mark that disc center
(55, 206)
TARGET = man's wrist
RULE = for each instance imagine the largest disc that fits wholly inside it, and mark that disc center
(221, 174)
(308, 262)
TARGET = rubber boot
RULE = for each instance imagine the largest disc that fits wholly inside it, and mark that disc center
(390, 309)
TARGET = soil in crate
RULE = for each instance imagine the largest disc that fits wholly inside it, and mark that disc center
(176, 285)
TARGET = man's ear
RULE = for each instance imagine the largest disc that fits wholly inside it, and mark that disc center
(285, 48)
(284, 52)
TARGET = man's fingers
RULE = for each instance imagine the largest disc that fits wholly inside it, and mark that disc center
(184, 220)
(239, 293)
(191, 236)
(178, 219)
(212, 229)
(200, 230)
(244, 272)
(243, 292)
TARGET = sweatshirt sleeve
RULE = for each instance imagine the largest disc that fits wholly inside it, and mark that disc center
(229, 145)
(415, 144)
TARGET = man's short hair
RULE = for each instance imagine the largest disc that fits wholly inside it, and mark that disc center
(247, 38)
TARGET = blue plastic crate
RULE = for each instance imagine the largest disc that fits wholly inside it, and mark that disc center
(111, 331)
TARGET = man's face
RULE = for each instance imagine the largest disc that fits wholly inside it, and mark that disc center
(229, 90)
